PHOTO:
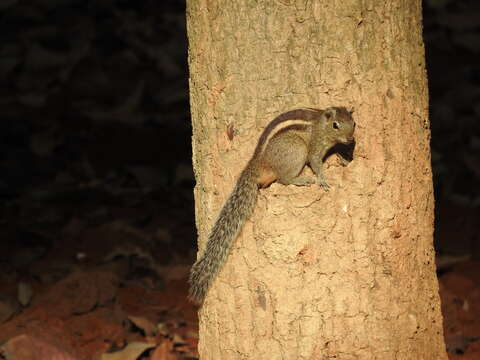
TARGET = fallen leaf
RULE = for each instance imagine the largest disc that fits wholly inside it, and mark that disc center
(131, 352)
(162, 329)
(164, 352)
(26, 347)
(144, 324)
(178, 340)
(80, 292)
(25, 293)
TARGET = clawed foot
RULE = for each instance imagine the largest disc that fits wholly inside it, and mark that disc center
(323, 184)
(344, 162)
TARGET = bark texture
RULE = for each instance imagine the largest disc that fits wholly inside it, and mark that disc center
(347, 274)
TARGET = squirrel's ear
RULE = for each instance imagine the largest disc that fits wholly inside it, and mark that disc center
(350, 110)
(329, 113)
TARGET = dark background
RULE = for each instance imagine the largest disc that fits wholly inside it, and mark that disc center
(95, 138)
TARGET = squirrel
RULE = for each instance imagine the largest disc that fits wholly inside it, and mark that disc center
(291, 140)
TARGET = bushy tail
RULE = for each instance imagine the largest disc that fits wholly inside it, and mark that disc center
(235, 212)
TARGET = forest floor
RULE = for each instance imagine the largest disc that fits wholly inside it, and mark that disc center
(460, 295)
(110, 284)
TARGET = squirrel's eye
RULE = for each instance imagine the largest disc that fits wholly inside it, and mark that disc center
(335, 125)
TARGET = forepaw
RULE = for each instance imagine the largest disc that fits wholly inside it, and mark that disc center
(343, 161)
(323, 184)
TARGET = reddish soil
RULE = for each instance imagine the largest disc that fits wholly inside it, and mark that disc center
(460, 294)
(95, 291)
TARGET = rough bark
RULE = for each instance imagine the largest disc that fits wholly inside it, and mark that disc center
(347, 274)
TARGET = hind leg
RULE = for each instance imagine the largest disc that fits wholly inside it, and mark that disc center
(300, 180)
(287, 155)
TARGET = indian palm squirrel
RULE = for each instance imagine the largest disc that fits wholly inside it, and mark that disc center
(290, 141)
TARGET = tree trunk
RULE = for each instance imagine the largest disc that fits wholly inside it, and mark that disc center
(344, 274)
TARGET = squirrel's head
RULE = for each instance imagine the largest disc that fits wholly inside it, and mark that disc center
(339, 124)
